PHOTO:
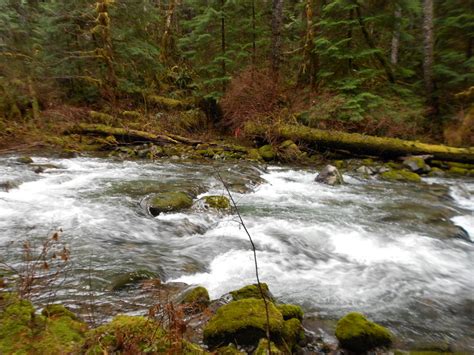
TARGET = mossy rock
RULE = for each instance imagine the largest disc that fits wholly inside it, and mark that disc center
(169, 202)
(400, 175)
(25, 160)
(251, 291)
(290, 311)
(458, 171)
(197, 296)
(57, 310)
(267, 152)
(254, 154)
(436, 172)
(262, 348)
(293, 333)
(217, 202)
(416, 165)
(358, 334)
(130, 278)
(24, 332)
(289, 151)
(133, 335)
(243, 322)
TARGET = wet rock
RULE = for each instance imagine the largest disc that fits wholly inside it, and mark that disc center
(217, 202)
(330, 176)
(25, 160)
(267, 152)
(169, 202)
(197, 297)
(356, 333)
(290, 311)
(400, 175)
(366, 170)
(8, 185)
(243, 322)
(417, 164)
(251, 291)
(131, 278)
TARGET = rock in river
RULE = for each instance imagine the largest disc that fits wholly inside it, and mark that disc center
(169, 202)
(330, 176)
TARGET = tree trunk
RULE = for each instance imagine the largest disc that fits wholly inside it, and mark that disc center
(370, 42)
(428, 44)
(166, 43)
(254, 36)
(396, 36)
(223, 46)
(277, 23)
(308, 68)
(358, 144)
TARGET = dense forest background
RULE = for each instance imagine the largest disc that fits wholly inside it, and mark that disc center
(393, 68)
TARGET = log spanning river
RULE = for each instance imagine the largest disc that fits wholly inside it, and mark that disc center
(403, 254)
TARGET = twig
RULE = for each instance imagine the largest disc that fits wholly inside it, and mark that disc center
(254, 249)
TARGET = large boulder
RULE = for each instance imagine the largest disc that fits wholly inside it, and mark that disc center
(357, 334)
(330, 175)
(251, 291)
(243, 322)
(169, 202)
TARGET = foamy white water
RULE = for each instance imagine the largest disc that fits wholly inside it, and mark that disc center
(386, 249)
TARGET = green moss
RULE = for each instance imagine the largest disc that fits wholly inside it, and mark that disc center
(57, 310)
(217, 202)
(394, 166)
(458, 171)
(254, 154)
(262, 348)
(125, 280)
(251, 291)
(293, 333)
(400, 175)
(21, 331)
(436, 172)
(99, 117)
(267, 152)
(25, 160)
(290, 311)
(198, 295)
(357, 334)
(167, 103)
(131, 114)
(368, 162)
(242, 322)
(289, 151)
(169, 202)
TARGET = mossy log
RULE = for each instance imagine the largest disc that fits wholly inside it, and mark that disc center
(359, 144)
(121, 134)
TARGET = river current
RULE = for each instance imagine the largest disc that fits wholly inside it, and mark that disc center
(390, 250)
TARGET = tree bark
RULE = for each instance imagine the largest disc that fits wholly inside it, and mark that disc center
(223, 46)
(396, 36)
(277, 23)
(428, 44)
(308, 68)
(359, 144)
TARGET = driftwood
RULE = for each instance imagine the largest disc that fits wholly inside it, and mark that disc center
(128, 135)
(360, 144)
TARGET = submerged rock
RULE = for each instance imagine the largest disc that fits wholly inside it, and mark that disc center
(356, 333)
(8, 185)
(243, 322)
(130, 278)
(330, 176)
(169, 202)
(25, 160)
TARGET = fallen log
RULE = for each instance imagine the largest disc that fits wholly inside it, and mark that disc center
(121, 134)
(357, 144)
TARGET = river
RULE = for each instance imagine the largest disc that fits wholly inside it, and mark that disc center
(389, 250)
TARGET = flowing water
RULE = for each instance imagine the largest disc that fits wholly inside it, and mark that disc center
(390, 250)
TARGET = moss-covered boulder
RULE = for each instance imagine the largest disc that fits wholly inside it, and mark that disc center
(57, 310)
(128, 279)
(134, 335)
(262, 348)
(229, 350)
(169, 202)
(254, 154)
(289, 311)
(243, 322)
(417, 165)
(22, 331)
(400, 175)
(25, 160)
(267, 152)
(329, 175)
(289, 151)
(358, 334)
(217, 202)
(293, 333)
(251, 291)
(197, 296)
